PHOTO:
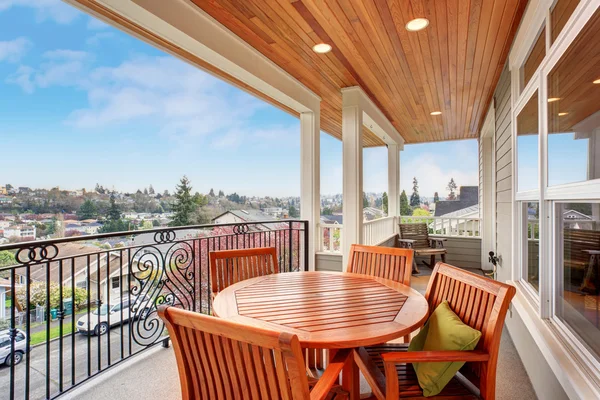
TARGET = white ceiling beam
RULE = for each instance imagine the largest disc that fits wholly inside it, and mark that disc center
(372, 117)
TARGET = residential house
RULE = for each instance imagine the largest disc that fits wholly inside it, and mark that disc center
(5, 200)
(468, 196)
(18, 231)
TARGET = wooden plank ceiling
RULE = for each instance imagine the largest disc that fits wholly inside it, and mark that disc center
(452, 66)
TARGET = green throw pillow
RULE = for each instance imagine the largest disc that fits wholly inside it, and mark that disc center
(443, 331)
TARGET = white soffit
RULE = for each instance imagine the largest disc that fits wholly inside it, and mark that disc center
(187, 26)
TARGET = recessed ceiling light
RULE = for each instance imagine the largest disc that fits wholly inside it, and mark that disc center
(553, 99)
(322, 48)
(417, 24)
(597, 82)
(562, 114)
(436, 113)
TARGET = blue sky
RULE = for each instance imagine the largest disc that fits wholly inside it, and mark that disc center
(83, 103)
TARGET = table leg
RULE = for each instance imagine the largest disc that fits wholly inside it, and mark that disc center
(351, 379)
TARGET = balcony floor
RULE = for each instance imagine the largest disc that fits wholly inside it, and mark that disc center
(153, 375)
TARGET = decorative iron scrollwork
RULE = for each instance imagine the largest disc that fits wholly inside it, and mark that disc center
(37, 254)
(241, 229)
(163, 237)
(161, 278)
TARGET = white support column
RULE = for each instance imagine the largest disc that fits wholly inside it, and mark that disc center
(393, 180)
(352, 154)
(310, 174)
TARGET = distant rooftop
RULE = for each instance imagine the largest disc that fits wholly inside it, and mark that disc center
(468, 196)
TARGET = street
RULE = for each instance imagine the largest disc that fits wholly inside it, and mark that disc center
(85, 348)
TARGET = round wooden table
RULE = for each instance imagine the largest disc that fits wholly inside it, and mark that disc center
(328, 310)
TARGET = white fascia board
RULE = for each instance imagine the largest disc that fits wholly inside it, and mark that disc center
(373, 118)
(187, 26)
(489, 123)
(533, 19)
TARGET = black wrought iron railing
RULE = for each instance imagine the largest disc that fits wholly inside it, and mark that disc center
(78, 306)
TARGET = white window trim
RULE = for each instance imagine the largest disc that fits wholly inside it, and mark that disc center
(575, 366)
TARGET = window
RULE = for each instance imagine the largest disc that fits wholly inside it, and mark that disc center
(115, 282)
(578, 255)
(527, 145)
(531, 243)
(559, 15)
(533, 61)
(573, 110)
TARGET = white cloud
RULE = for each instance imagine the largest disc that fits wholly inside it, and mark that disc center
(60, 67)
(95, 39)
(434, 170)
(54, 10)
(14, 50)
(23, 78)
(95, 24)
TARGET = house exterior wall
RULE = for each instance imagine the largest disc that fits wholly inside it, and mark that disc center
(329, 262)
(545, 383)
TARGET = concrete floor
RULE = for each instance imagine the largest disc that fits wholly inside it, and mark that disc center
(153, 375)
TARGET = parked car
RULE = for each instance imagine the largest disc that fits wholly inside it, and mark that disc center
(5, 347)
(99, 324)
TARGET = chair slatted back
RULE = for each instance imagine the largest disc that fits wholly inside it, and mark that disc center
(384, 262)
(220, 359)
(576, 241)
(231, 266)
(417, 232)
(481, 303)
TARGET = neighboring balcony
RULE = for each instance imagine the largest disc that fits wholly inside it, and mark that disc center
(462, 234)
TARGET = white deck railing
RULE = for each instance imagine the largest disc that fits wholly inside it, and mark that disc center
(450, 227)
(378, 230)
(331, 238)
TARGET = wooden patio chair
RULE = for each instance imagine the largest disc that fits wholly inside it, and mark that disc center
(416, 237)
(383, 262)
(221, 359)
(480, 303)
(232, 266)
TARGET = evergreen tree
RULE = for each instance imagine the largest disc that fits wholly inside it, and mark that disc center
(384, 202)
(166, 193)
(211, 193)
(184, 205)
(415, 200)
(151, 190)
(87, 210)
(365, 200)
(221, 194)
(436, 197)
(294, 212)
(114, 214)
(146, 191)
(404, 206)
(452, 189)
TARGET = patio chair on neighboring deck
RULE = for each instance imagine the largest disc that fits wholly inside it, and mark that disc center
(416, 237)
(221, 359)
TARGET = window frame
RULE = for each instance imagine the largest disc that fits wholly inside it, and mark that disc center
(545, 303)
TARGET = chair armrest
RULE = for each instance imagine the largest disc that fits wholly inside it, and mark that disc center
(406, 243)
(437, 243)
(331, 375)
(592, 252)
(434, 356)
